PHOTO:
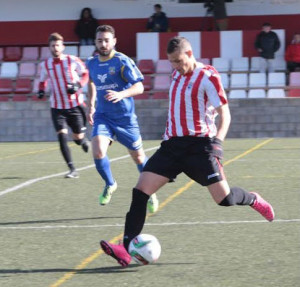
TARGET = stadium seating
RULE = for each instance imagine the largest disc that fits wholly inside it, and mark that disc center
(163, 67)
(161, 82)
(35, 86)
(86, 51)
(1, 54)
(6, 86)
(225, 80)
(144, 96)
(71, 50)
(239, 80)
(12, 54)
(20, 98)
(254, 65)
(23, 86)
(279, 64)
(276, 93)
(237, 94)
(240, 64)
(256, 93)
(257, 80)
(221, 64)
(147, 82)
(160, 95)
(146, 66)
(294, 79)
(45, 53)
(30, 54)
(294, 93)
(205, 61)
(27, 69)
(276, 79)
(9, 70)
(4, 98)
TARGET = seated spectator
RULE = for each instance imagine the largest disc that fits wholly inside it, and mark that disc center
(292, 54)
(267, 43)
(158, 22)
(86, 27)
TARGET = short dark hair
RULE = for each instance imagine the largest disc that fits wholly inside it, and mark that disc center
(175, 43)
(157, 6)
(55, 37)
(106, 28)
(266, 24)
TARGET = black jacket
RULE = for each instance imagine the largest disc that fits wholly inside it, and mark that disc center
(86, 29)
(158, 19)
(268, 42)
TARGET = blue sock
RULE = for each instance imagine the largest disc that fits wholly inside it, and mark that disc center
(103, 167)
(140, 166)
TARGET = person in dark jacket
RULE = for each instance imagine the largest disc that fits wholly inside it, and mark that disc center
(86, 27)
(158, 22)
(267, 43)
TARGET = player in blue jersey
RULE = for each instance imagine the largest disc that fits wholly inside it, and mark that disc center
(114, 80)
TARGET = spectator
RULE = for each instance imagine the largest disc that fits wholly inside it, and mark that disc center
(86, 27)
(158, 22)
(292, 54)
(218, 9)
(267, 43)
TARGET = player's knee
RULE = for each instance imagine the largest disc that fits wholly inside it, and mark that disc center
(79, 141)
(228, 200)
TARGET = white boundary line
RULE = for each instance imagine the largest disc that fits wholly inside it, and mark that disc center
(147, 224)
(35, 180)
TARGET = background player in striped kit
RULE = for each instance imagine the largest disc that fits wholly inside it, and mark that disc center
(192, 145)
(66, 74)
(114, 80)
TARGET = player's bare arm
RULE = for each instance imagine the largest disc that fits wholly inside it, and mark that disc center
(115, 96)
(91, 99)
(224, 121)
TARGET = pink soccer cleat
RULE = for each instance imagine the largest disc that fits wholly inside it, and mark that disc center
(263, 207)
(117, 251)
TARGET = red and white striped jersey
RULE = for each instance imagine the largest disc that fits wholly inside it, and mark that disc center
(192, 101)
(60, 72)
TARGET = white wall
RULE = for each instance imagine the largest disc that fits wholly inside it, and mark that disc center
(22, 10)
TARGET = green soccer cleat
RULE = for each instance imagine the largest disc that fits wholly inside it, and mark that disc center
(108, 190)
(153, 203)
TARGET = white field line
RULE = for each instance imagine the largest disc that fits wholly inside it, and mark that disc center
(147, 224)
(35, 180)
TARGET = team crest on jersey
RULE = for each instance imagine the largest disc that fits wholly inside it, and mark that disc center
(102, 78)
(111, 70)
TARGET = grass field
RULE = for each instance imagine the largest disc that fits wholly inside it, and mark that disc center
(50, 227)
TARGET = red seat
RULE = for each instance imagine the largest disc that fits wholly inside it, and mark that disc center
(30, 54)
(20, 98)
(160, 95)
(147, 83)
(4, 98)
(12, 54)
(144, 96)
(161, 82)
(294, 93)
(146, 66)
(6, 86)
(23, 86)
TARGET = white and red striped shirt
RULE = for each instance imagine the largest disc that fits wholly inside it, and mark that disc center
(192, 101)
(60, 72)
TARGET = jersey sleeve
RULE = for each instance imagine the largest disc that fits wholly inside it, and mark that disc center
(43, 77)
(214, 88)
(130, 72)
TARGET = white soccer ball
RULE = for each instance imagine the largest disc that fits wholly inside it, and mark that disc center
(144, 249)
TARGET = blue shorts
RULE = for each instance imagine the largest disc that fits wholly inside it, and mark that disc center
(126, 130)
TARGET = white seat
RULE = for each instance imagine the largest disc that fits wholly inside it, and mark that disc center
(9, 70)
(225, 80)
(256, 93)
(239, 80)
(255, 64)
(240, 64)
(86, 51)
(71, 50)
(237, 94)
(276, 79)
(221, 64)
(257, 80)
(276, 93)
(163, 67)
(279, 64)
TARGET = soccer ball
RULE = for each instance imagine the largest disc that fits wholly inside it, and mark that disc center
(144, 249)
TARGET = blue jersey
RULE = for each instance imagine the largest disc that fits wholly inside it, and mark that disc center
(117, 73)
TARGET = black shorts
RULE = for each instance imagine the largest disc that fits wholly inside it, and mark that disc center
(190, 155)
(75, 118)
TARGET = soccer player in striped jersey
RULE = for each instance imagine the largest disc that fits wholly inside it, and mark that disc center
(192, 145)
(114, 81)
(66, 74)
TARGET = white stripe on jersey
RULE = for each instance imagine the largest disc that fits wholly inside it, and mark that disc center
(192, 102)
(60, 73)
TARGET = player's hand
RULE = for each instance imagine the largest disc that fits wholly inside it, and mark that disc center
(113, 96)
(73, 88)
(41, 94)
(217, 148)
(90, 115)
